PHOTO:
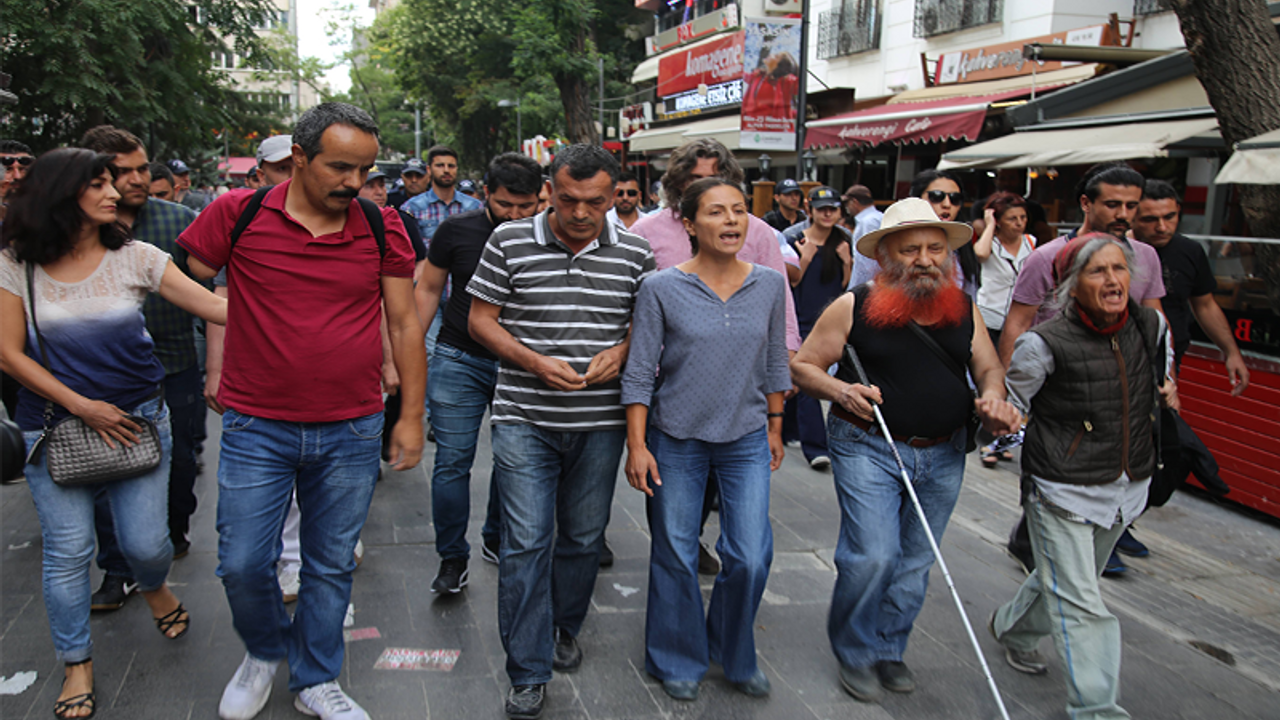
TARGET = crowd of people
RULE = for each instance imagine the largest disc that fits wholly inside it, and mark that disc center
(697, 337)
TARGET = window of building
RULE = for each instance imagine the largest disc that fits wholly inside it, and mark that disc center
(851, 27)
(936, 17)
(1149, 7)
(674, 13)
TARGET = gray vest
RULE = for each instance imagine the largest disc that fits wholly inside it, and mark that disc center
(1093, 417)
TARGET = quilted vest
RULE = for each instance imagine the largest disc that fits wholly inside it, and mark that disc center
(1092, 419)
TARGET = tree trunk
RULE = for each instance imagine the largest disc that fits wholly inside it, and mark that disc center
(1236, 51)
(579, 124)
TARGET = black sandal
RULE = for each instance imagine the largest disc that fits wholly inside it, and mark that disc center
(61, 708)
(166, 623)
(990, 461)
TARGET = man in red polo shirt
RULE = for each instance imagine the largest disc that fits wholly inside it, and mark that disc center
(301, 377)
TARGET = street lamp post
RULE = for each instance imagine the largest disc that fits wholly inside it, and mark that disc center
(519, 124)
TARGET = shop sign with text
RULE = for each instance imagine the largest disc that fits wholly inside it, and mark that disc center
(710, 63)
(713, 22)
(1005, 59)
(695, 102)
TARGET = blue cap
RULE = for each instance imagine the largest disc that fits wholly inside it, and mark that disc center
(374, 174)
(177, 167)
(786, 186)
(468, 187)
(414, 165)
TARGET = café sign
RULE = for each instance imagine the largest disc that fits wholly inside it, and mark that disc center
(1003, 60)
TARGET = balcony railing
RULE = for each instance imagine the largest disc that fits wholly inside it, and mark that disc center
(936, 17)
(851, 28)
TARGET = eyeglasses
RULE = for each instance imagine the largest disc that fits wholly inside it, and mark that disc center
(24, 161)
(629, 193)
(937, 196)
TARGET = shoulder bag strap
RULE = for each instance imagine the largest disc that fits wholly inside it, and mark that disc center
(44, 353)
(936, 349)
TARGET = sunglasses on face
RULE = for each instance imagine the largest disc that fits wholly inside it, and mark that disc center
(629, 193)
(937, 196)
(23, 161)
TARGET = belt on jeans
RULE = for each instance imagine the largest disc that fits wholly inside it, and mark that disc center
(914, 441)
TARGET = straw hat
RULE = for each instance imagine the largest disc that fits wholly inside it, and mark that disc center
(912, 213)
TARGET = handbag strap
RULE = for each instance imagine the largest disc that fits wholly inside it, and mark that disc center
(44, 353)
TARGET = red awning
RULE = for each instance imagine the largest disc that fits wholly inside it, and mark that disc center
(899, 123)
(239, 165)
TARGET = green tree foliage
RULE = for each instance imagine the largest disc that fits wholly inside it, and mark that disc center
(461, 57)
(144, 65)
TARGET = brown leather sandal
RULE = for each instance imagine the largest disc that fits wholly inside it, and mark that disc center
(179, 616)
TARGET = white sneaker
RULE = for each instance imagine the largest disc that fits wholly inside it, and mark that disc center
(247, 693)
(821, 462)
(327, 702)
(290, 578)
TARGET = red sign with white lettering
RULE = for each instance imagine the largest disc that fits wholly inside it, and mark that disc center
(711, 63)
(922, 128)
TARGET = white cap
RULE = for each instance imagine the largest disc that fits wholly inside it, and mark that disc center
(275, 148)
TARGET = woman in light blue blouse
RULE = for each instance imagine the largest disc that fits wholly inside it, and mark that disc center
(703, 388)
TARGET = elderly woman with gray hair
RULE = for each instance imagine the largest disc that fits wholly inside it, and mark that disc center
(1090, 379)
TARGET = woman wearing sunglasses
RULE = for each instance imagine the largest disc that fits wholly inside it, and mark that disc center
(942, 190)
(65, 253)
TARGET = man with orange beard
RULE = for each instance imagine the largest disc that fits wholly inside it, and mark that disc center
(913, 329)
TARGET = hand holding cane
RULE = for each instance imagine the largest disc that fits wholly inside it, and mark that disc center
(852, 355)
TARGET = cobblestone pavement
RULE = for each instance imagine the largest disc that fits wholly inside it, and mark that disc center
(1200, 616)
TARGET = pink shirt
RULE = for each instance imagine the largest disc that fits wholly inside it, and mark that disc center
(1035, 280)
(670, 244)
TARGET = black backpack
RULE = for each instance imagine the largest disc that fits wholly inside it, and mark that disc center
(372, 214)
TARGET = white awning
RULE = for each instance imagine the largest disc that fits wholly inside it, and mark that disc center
(1040, 81)
(647, 70)
(1080, 145)
(727, 129)
(1256, 161)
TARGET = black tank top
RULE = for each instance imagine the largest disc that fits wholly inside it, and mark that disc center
(922, 397)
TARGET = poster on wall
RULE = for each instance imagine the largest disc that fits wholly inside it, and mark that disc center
(770, 84)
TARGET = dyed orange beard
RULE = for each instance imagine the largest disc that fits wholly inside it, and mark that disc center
(900, 296)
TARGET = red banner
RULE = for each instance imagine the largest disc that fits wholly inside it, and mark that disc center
(711, 63)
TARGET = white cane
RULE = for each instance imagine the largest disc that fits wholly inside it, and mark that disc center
(933, 543)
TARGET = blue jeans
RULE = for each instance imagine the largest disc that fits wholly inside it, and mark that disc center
(334, 466)
(429, 342)
(802, 420)
(678, 643)
(184, 396)
(555, 489)
(883, 555)
(139, 507)
(1062, 598)
(459, 390)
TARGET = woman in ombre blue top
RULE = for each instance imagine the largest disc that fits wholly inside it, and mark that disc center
(713, 329)
(89, 284)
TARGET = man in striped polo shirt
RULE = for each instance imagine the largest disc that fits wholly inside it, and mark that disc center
(552, 298)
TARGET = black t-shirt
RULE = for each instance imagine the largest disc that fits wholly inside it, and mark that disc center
(457, 247)
(779, 221)
(922, 396)
(1186, 275)
(415, 236)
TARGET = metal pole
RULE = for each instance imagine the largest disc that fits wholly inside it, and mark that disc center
(519, 129)
(600, 67)
(804, 77)
(924, 522)
(417, 129)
